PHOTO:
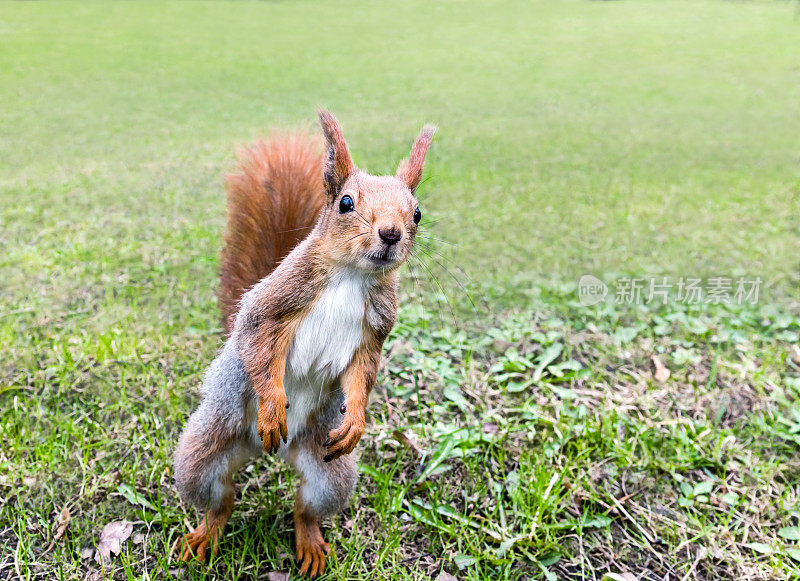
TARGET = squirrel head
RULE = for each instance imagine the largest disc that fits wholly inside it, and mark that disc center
(369, 222)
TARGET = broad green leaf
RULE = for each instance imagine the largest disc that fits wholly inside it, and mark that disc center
(463, 561)
(730, 498)
(625, 334)
(550, 559)
(762, 548)
(453, 393)
(441, 454)
(135, 497)
(550, 355)
(598, 522)
(790, 533)
(507, 544)
(704, 487)
(794, 554)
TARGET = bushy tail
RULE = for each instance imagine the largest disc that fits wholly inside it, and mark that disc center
(273, 201)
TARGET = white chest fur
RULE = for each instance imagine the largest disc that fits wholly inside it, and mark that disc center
(324, 344)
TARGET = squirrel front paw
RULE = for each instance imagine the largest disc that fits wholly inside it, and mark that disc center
(271, 425)
(343, 439)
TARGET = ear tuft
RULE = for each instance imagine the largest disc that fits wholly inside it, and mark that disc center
(338, 163)
(410, 170)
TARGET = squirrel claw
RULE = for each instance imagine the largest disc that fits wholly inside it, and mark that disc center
(343, 440)
(311, 558)
(271, 426)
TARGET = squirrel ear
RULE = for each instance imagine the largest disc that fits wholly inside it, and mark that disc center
(410, 170)
(338, 163)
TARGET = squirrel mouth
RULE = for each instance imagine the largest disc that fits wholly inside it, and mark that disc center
(380, 258)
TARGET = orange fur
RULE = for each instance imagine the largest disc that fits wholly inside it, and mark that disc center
(273, 201)
(410, 170)
(205, 538)
(311, 548)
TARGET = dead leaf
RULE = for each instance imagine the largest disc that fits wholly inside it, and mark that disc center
(61, 527)
(662, 373)
(445, 576)
(111, 539)
(409, 440)
(86, 553)
(275, 576)
(63, 523)
(29, 481)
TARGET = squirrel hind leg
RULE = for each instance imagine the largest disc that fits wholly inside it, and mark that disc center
(311, 547)
(205, 538)
(206, 480)
(214, 445)
(325, 489)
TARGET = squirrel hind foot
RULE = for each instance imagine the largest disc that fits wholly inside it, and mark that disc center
(194, 545)
(311, 548)
(205, 538)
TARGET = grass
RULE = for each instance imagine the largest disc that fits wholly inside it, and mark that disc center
(529, 440)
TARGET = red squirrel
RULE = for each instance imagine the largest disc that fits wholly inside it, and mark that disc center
(308, 296)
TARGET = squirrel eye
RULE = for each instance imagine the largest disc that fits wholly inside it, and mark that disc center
(346, 205)
(417, 216)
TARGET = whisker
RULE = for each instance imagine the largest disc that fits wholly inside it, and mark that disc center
(421, 193)
(363, 219)
(441, 289)
(415, 282)
(356, 236)
(413, 275)
(449, 261)
(438, 302)
(430, 236)
(458, 282)
(295, 229)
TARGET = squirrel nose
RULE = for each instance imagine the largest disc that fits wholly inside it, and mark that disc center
(390, 234)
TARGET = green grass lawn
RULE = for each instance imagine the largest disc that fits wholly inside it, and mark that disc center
(531, 438)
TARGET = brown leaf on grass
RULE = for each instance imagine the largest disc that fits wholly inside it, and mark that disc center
(445, 576)
(111, 539)
(61, 528)
(662, 373)
(409, 440)
(63, 523)
(275, 576)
